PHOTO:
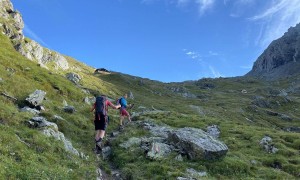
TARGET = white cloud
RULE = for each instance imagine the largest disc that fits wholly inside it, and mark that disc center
(204, 5)
(276, 19)
(193, 55)
(214, 72)
(34, 36)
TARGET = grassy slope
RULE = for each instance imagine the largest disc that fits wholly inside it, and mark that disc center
(224, 105)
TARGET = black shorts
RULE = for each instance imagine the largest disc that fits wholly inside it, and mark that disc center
(100, 123)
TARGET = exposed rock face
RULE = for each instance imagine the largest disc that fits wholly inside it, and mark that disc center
(159, 151)
(197, 144)
(12, 26)
(281, 58)
(13, 23)
(36, 98)
(51, 129)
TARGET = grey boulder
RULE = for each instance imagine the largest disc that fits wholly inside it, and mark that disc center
(197, 144)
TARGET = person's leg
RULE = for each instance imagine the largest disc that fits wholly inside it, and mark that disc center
(97, 135)
(121, 120)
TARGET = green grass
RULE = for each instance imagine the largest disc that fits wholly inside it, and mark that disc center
(242, 125)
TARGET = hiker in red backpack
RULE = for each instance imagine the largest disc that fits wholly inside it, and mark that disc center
(101, 118)
(123, 112)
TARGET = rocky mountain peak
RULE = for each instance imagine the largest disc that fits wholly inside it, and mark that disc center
(281, 58)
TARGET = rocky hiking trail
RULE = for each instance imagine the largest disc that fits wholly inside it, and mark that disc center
(193, 143)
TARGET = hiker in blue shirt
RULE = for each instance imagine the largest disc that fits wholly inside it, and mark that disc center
(123, 112)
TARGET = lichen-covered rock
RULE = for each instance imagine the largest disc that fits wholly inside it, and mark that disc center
(159, 151)
(197, 144)
(31, 110)
(69, 109)
(36, 97)
(75, 78)
(267, 145)
(50, 129)
(132, 141)
(156, 130)
(213, 130)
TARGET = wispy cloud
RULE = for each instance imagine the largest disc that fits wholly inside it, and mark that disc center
(238, 7)
(275, 19)
(214, 72)
(192, 54)
(28, 32)
(202, 5)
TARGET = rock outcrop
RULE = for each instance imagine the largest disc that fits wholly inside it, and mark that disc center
(281, 58)
(197, 144)
(36, 98)
(12, 25)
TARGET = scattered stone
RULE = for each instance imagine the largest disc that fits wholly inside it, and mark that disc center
(27, 69)
(244, 91)
(36, 98)
(282, 116)
(132, 141)
(160, 131)
(31, 110)
(106, 152)
(1, 80)
(261, 102)
(69, 109)
(73, 77)
(65, 103)
(179, 158)
(146, 143)
(293, 129)
(214, 131)
(158, 151)
(61, 137)
(39, 122)
(114, 134)
(56, 117)
(131, 95)
(197, 144)
(192, 173)
(8, 96)
(27, 144)
(266, 144)
(253, 162)
(89, 100)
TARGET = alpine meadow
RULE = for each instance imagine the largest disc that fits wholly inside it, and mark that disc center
(243, 127)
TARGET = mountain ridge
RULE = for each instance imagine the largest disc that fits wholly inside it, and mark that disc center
(281, 58)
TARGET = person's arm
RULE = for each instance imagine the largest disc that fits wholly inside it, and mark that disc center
(111, 105)
(93, 108)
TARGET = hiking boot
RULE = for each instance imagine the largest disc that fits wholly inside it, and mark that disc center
(121, 128)
(99, 144)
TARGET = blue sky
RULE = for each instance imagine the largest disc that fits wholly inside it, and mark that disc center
(166, 40)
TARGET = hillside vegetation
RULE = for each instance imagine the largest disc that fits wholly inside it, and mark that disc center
(244, 109)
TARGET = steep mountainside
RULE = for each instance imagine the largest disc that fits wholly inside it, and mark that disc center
(225, 128)
(282, 57)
